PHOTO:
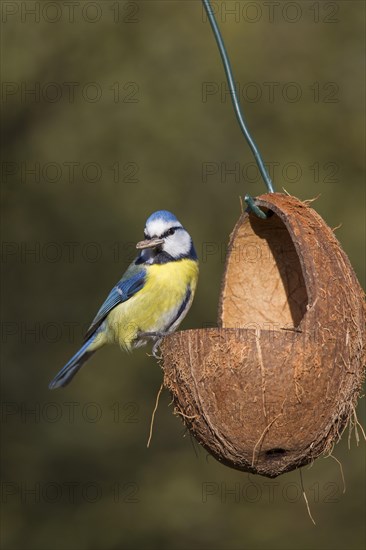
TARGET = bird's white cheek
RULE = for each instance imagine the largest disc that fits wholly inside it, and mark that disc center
(178, 244)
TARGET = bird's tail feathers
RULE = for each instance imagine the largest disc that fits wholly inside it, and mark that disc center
(67, 373)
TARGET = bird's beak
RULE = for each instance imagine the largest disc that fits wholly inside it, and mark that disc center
(149, 243)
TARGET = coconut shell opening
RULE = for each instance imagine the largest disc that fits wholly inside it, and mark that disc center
(264, 285)
(274, 386)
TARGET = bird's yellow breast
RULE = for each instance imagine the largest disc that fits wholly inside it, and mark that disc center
(156, 305)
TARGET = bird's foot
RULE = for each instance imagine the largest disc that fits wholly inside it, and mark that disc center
(155, 348)
(157, 337)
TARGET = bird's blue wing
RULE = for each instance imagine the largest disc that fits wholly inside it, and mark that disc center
(132, 281)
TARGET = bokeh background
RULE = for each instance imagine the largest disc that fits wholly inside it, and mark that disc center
(111, 110)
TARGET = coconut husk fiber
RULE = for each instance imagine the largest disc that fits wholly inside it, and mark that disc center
(274, 386)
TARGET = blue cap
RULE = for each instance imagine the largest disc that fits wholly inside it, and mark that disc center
(164, 215)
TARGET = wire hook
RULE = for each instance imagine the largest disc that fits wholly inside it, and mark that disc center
(237, 109)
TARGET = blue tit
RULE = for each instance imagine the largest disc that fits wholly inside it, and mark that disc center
(152, 298)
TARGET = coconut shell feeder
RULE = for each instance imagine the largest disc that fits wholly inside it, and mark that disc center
(274, 386)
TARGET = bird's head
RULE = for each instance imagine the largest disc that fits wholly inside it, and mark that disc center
(165, 239)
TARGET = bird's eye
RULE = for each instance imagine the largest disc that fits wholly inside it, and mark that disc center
(171, 231)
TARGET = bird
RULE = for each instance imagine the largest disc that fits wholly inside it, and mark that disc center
(150, 300)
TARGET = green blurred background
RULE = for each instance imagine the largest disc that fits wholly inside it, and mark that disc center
(128, 115)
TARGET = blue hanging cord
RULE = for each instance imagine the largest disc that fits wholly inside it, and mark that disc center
(239, 115)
